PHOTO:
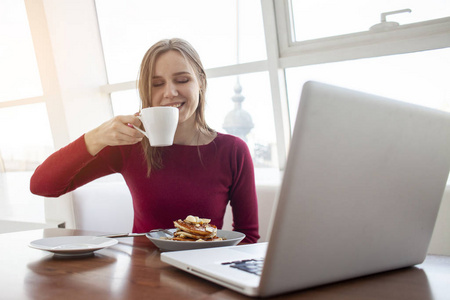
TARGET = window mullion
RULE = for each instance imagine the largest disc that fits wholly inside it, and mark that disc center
(277, 83)
(47, 69)
(25, 101)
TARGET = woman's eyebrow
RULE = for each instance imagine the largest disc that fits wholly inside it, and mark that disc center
(182, 73)
(174, 74)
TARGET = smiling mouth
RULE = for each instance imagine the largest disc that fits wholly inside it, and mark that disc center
(176, 105)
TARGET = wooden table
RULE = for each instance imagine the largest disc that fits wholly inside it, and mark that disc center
(132, 269)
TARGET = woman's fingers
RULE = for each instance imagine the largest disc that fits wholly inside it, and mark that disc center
(133, 120)
(122, 133)
(114, 132)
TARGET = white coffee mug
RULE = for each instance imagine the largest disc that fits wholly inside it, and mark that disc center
(160, 124)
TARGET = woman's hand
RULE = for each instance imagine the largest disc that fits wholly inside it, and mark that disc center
(115, 132)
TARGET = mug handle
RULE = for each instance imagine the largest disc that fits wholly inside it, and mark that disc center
(137, 128)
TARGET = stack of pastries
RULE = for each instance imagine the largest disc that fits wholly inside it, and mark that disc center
(195, 229)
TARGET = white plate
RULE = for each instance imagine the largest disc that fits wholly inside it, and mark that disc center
(73, 245)
(231, 238)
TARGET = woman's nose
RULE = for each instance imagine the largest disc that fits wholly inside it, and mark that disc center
(170, 90)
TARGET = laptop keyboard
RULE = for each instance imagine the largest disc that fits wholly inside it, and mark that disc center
(253, 266)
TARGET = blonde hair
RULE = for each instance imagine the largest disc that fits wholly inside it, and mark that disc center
(154, 154)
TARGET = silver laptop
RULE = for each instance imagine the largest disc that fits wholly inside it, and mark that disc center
(360, 194)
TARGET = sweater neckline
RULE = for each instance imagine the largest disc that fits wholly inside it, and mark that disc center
(217, 135)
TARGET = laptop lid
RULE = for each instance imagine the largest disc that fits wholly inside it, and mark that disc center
(360, 194)
(362, 188)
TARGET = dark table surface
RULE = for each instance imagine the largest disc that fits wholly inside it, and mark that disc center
(132, 269)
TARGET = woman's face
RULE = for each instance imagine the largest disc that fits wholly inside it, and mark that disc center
(174, 83)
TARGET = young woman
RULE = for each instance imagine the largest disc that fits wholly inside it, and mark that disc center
(198, 175)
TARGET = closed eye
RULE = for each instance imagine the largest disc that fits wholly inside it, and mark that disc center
(182, 80)
(157, 83)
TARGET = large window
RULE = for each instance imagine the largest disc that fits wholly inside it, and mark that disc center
(257, 104)
(19, 74)
(420, 78)
(225, 33)
(307, 40)
(397, 49)
(25, 136)
(129, 28)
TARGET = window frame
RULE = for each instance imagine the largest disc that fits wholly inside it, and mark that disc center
(420, 36)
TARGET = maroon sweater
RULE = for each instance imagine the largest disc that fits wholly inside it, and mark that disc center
(195, 180)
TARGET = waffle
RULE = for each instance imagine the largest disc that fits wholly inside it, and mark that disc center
(195, 229)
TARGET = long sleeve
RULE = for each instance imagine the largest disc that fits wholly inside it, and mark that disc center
(243, 197)
(67, 169)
